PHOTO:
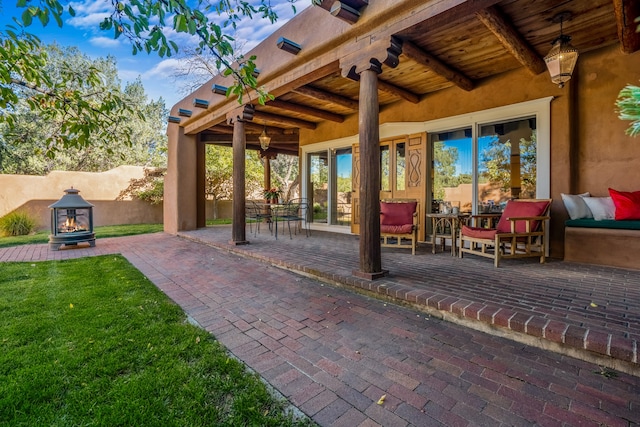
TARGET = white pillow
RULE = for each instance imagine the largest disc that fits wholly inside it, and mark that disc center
(576, 207)
(601, 207)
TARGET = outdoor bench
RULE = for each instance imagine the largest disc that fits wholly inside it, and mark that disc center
(605, 242)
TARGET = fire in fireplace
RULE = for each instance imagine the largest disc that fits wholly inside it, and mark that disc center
(71, 221)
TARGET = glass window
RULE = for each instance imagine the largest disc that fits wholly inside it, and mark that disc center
(319, 184)
(452, 169)
(385, 174)
(400, 166)
(506, 163)
(342, 206)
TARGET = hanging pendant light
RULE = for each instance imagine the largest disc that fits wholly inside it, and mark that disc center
(562, 58)
(264, 139)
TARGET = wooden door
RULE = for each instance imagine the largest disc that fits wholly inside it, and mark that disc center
(403, 175)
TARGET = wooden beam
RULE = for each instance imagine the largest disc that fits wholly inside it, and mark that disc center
(398, 91)
(626, 12)
(511, 39)
(283, 121)
(413, 52)
(303, 109)
(250, 138)
(321, 95)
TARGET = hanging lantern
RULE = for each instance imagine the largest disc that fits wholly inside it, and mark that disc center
(562, 58)
(264, 139)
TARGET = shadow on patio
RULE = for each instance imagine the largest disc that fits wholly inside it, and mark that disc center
(585, 311)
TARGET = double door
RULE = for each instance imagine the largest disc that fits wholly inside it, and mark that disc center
(402, 175)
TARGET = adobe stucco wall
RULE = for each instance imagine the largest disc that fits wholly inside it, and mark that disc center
(592, 154)
(34, 194)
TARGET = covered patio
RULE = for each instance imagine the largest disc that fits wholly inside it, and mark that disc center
(585, 311)
(403, 76)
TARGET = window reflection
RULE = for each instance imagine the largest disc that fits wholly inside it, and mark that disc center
(400, 166)
(506, 163)
(385, 177)
(452, 169)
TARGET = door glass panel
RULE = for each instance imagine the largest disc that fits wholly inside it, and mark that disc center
(342, 206)
(506, 163)
(319, 185)
(385, 174)
(452, 170)
(400, 166)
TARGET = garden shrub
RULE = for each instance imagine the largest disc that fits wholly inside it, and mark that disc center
(17, 224)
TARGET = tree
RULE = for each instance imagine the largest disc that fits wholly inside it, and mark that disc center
(445, 159)
(219, 174)
(497, 162)
(23, 143)
(93, 116)
(285, 175)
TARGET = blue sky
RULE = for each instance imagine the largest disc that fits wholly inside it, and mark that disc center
(156, 73)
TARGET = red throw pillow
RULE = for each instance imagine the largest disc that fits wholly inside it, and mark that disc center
(627, 204)
(397, 213)
(516, 208)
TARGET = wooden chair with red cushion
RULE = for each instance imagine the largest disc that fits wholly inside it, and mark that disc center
(399, 223)
(519, 233)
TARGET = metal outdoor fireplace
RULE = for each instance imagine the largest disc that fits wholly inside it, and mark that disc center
(71, 221)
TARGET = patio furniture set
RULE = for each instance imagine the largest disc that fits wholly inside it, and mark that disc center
(294, 211)
(520, 230)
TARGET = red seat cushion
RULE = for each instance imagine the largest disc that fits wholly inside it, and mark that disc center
(397, 213)
(627, 204)
(396, 229)
(516, 208)
(479, 232)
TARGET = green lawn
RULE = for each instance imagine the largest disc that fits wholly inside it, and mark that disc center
(91, 341)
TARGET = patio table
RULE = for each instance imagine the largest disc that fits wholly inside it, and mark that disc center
(445, 226)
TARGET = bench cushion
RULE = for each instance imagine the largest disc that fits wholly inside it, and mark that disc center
(605, 223)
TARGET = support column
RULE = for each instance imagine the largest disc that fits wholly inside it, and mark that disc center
(238, 117)
(369, 137)
(179, 206)
(365, 65)
(267, 172)
(201, 177)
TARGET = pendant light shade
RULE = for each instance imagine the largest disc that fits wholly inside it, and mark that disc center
(264, 139)
(562, 58)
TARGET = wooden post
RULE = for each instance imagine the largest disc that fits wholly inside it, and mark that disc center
(267, 172)
(238, 117)
(365, 65)
(369, 134)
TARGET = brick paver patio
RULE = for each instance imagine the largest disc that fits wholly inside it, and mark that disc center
(334, 352)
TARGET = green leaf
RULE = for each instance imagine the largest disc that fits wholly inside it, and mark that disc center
(26, 18)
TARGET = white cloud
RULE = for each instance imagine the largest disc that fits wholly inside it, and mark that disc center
(104, 42)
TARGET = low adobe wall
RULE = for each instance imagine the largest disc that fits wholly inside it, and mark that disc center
(34, 194)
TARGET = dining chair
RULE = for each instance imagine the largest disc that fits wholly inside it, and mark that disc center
(257, 214)
(296, 211)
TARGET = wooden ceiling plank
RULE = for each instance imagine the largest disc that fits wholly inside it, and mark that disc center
(511, 39)
(327, 97)
(283, 121)
(309, 111)
(398, 91)
(413, 52)
(626, 11)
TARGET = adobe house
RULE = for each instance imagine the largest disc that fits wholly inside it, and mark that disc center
(424, 100)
